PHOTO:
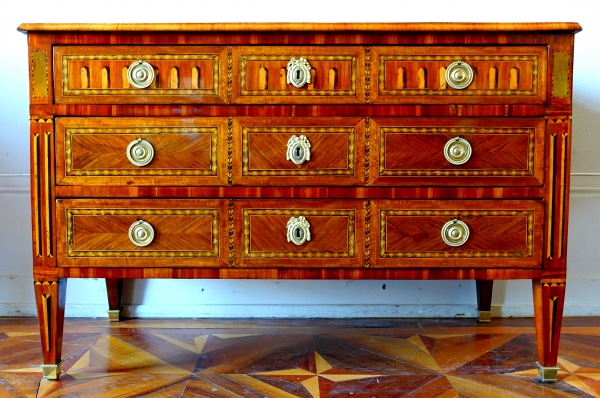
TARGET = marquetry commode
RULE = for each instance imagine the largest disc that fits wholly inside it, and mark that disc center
(301, 151)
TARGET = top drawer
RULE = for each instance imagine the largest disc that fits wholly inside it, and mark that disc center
(298, 75)
(114, 74)
(499, 75)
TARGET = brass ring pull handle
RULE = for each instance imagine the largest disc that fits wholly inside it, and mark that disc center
(298, 149)
(298, 72)
(455, 233)
(298, 230)
(141, 233)
(459, 75)
(140, 152)
(457, 151)
(140, 74)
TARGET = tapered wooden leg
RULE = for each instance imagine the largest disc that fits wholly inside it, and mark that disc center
(548, 302)
(114, 287)
(50, 301)
(484, 300)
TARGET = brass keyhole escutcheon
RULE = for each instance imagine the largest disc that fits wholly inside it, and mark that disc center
(298, 72)
(298, 149)
(298, 230)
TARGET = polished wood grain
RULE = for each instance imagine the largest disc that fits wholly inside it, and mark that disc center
(93, 151)
(331, 357)
(378, 112)
(304, 27)
(410, 151)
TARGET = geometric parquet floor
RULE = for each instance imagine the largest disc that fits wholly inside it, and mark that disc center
(299, 358)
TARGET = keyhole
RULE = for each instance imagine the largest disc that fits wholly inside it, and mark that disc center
(297, 152)
(297, 232)
(298, 74)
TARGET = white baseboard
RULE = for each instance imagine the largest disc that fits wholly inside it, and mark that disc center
(294, 311)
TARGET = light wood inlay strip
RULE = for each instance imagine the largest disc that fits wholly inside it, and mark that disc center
(551, 193)
(563, 161)
(46, 305)
(47, 196)
(36, 193)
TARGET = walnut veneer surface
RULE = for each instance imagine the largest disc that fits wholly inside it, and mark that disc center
(220, 175)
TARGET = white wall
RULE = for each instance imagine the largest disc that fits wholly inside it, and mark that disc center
(248, 298)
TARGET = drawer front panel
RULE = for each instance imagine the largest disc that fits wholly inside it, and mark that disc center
(336, 232)
(417, 152)
(184, 151)
(511, 75)
(503, 234)
(182, 74)
(336, 75)
(328, 151)
(98, 233)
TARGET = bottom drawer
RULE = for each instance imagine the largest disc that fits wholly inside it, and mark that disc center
(456, 233)
(299, 233)
(139, 233)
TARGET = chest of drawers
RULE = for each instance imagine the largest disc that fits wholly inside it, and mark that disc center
(301, 151)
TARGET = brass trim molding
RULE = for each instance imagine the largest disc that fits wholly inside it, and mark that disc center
(338, 93)
(450, 92)
(212, 171)
(560, 74)
(214, 91)
(350, 214)
(454, 131)
(39, 74)
(72, 213)
(528, 214)
(350, 131)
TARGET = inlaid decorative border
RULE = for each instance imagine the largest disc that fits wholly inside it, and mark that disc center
(214, 91)
(212, 171)
(528, 214)
(350, 131)
(243, 73)
(449, 92)
(458, 172)
(72, 213)
(351, 214)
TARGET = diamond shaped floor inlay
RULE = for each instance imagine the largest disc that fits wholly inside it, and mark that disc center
(296, 358)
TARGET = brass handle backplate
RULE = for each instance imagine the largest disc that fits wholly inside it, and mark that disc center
(140, 74)
(459, 75)
(141, 233)
(455, 233)
(457, 151)
(140, 152)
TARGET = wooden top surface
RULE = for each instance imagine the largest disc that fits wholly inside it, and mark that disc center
(330, 27)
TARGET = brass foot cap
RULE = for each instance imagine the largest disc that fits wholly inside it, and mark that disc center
(484, 316)
(114, 315)
(52, 372)
(547, 374)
